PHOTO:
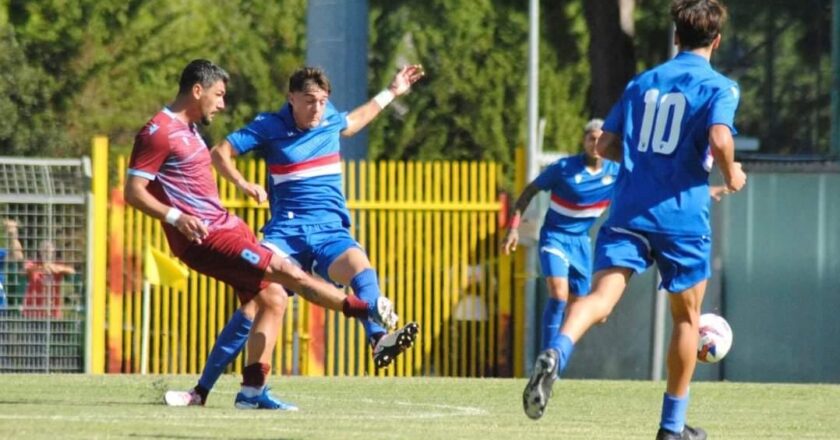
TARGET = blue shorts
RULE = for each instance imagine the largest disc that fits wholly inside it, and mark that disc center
(313, 248)
(683, 260)
(567, 256)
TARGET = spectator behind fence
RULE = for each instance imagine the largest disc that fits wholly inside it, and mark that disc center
(12, 252)
(43, 297)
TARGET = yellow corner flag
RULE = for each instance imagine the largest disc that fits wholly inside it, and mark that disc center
(163, 270)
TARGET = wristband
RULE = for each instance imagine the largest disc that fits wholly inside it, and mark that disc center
(173, 215)
(514, 222)
(384, 98)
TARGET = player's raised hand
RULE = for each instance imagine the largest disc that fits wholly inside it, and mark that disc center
(737, 179)
(405, 77)
(192, 227)
(252, 190)
(510, 242)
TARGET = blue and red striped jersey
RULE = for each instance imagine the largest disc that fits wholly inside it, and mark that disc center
(578, 196)
(304, 166)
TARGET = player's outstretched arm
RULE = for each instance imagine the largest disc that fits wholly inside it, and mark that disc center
(137, 195)
(222, 155)
(400, 85)
(609, 147)
(512, 237)
(723, 150)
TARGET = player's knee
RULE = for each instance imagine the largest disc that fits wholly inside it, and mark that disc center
(273, 298)
(285, 271)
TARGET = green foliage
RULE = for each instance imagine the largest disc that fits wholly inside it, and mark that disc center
(73, 69)
(471, 105)
(29, 125)
(105, 66)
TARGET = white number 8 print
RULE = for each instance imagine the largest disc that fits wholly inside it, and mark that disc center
(668, 110)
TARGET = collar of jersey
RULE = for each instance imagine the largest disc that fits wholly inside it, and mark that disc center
(288, 119)
(691, 58)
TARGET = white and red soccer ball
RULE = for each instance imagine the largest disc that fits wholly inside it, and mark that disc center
(715, 338)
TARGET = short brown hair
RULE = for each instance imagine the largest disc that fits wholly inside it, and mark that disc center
(698, 22)
(305, 78)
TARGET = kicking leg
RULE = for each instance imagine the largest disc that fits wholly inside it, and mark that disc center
(353, 267)
(582, 314)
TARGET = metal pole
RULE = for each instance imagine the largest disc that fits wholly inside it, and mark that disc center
(337, 41)
(144, 350)
(834, 148)
(532, 167)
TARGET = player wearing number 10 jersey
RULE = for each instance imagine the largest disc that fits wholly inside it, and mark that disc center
(660, 131)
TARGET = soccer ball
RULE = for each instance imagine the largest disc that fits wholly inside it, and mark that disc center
(715, 338)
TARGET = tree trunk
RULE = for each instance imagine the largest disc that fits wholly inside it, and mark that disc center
(612, 58)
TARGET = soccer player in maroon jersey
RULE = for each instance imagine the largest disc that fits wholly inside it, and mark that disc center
(170, 179)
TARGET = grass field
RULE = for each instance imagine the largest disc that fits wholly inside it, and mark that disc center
(79, 406)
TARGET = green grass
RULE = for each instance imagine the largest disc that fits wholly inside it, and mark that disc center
(79, 406)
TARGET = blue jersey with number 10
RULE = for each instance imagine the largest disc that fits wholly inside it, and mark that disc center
(663, 121)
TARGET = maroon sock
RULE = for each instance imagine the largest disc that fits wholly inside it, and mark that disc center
(254, 375)
(203, 392)
(354, 307)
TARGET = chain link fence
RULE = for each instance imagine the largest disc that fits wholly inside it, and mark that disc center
(43, 262)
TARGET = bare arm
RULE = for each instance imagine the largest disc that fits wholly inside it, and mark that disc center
(723, 150)
(223, 155)
(512, 237)
(137, 195)
(15, 248)
(609, 147)
(400, 85)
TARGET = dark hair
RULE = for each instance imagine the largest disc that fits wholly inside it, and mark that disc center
(201, 72)
(306, 77)
(698, 22)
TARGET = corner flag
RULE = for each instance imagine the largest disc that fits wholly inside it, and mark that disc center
(163, 270)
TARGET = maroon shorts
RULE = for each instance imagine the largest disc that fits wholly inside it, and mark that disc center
(233, 256)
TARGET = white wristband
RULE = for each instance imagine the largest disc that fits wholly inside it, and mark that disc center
(384, 98)
(173, 215)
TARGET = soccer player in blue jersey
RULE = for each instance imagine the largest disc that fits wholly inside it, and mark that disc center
(660, 130)
(309, 224)
(581, 189)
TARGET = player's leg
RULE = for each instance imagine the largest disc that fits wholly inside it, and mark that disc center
(554, 264)
(349, 265)
(254, 394)
(618, 256)
(684, 265)
(227, 347)
(580, 316)
(292, 258)
(555, 308)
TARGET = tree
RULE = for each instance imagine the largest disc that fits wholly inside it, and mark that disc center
(611, 52)
(471, 105)
(105, 66)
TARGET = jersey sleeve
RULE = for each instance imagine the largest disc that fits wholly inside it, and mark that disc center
(252, 136)
(723, 106)
(550, 176)
(615, 118)
(151, 148)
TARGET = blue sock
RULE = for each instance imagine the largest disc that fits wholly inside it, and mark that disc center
(551, 322)
(228, 345)
(366, 286)
(673, 412)
(565, 349)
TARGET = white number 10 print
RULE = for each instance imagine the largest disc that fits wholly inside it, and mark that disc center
(660, 113)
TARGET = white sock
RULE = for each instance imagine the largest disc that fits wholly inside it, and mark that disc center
(250, 392)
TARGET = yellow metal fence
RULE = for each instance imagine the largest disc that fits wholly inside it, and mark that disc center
(431, 231)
